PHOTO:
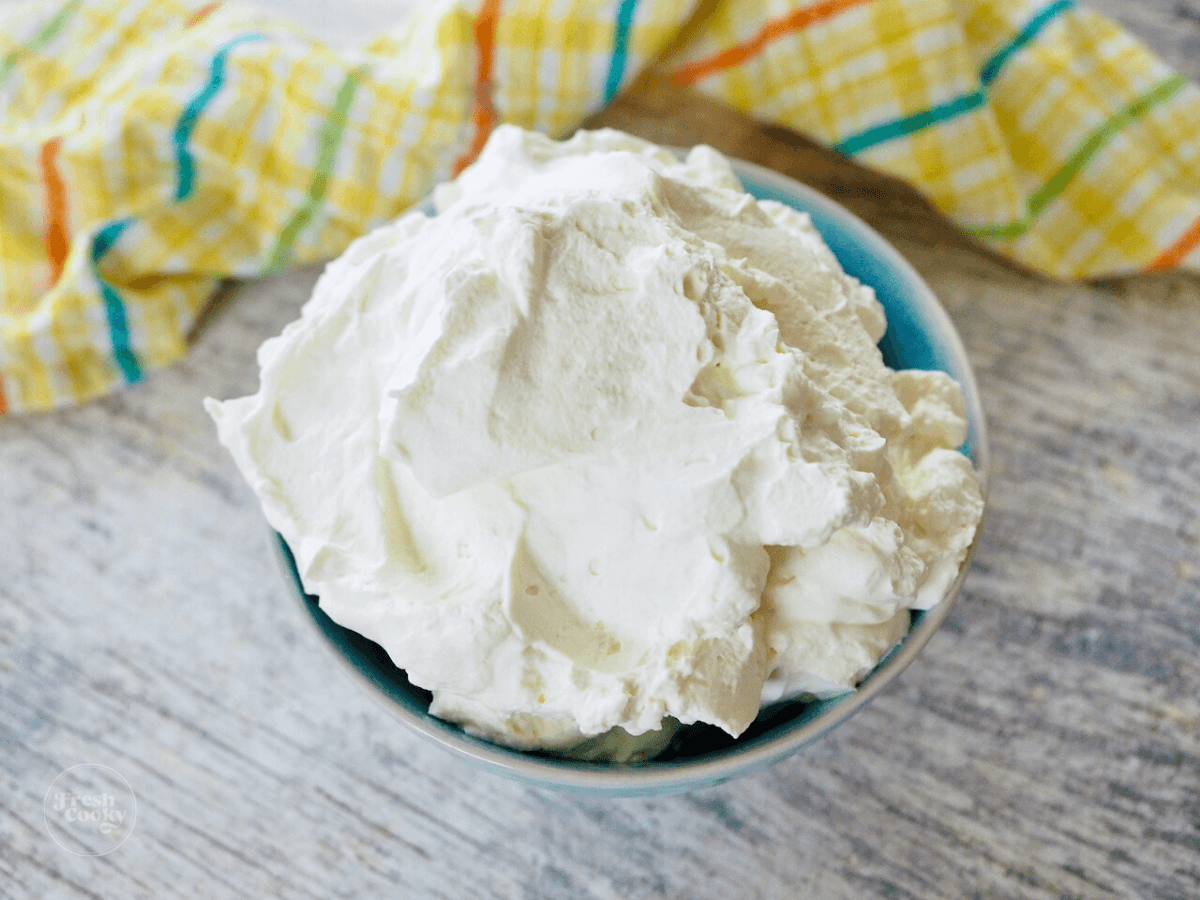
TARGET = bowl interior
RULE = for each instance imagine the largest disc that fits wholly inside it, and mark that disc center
(919, 335)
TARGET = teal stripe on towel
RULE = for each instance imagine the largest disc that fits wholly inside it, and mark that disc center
(114, 308)
(900, 127)
(1050, 12)
(186, 168)
(616, 66)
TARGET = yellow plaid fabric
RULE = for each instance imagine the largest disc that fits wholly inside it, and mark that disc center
(150, 148)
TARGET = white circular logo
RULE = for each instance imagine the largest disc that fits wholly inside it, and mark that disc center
(90, 810)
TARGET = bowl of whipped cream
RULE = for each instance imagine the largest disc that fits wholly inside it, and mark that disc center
(616, 469)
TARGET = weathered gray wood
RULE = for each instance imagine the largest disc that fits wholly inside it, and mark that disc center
(1045, 746)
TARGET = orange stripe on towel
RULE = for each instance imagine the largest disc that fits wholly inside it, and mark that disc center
(57, 241)
(485, 112)
(797, 20)
(200, 14)
(1180, 250)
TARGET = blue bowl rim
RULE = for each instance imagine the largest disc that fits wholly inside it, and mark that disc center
(842, 230)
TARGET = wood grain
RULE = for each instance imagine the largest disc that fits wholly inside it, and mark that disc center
(1045, 746)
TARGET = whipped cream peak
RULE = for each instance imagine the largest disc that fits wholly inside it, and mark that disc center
(605, 443)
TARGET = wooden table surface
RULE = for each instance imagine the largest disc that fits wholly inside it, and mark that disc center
(1046, 745)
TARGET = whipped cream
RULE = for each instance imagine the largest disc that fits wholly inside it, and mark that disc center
(606, 443)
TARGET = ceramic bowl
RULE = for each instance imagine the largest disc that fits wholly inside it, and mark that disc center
(920, 335)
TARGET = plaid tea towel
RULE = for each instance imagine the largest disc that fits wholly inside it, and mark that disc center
(149, 148)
